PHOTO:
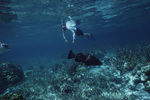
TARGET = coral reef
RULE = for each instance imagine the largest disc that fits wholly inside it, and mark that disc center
(126, 58)
(12, 97)
(79, 83)
(125, 75)
(10, 74)
(99, 53)
(146, 52)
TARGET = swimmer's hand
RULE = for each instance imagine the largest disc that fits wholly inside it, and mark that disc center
(66, 41)
(73, 41)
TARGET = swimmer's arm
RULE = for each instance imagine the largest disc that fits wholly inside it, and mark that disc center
(70, 17)
(64, 36)
(73, 36)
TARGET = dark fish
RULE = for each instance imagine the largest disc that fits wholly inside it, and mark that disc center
(85, 58)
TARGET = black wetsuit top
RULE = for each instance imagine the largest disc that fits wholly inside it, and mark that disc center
(63, 27)
(79, 32)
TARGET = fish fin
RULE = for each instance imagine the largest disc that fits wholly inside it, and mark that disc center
(71, 55)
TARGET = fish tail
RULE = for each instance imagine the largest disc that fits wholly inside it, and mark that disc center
(71, 55)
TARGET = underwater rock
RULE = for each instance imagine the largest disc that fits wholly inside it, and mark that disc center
(146, 70)
(143, 77)
(99, 53)
(140, 86)
(73, 69)
(12, 97)
(10, 74)
(147, 86)
(142, 94)
(57, 67)
(28, 73)
(81, 69)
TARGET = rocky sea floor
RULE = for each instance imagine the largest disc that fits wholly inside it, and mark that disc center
(124, 75)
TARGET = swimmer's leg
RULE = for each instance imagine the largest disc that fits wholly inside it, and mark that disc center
(89, 35)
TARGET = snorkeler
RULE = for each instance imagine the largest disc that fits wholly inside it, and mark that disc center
(3, 47)
(71, 25)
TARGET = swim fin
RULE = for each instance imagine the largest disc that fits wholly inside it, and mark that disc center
(93, 37)
(71, 55)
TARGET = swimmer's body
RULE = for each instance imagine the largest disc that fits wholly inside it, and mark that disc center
(71, 25)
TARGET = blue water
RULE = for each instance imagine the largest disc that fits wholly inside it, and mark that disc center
(32, 27)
